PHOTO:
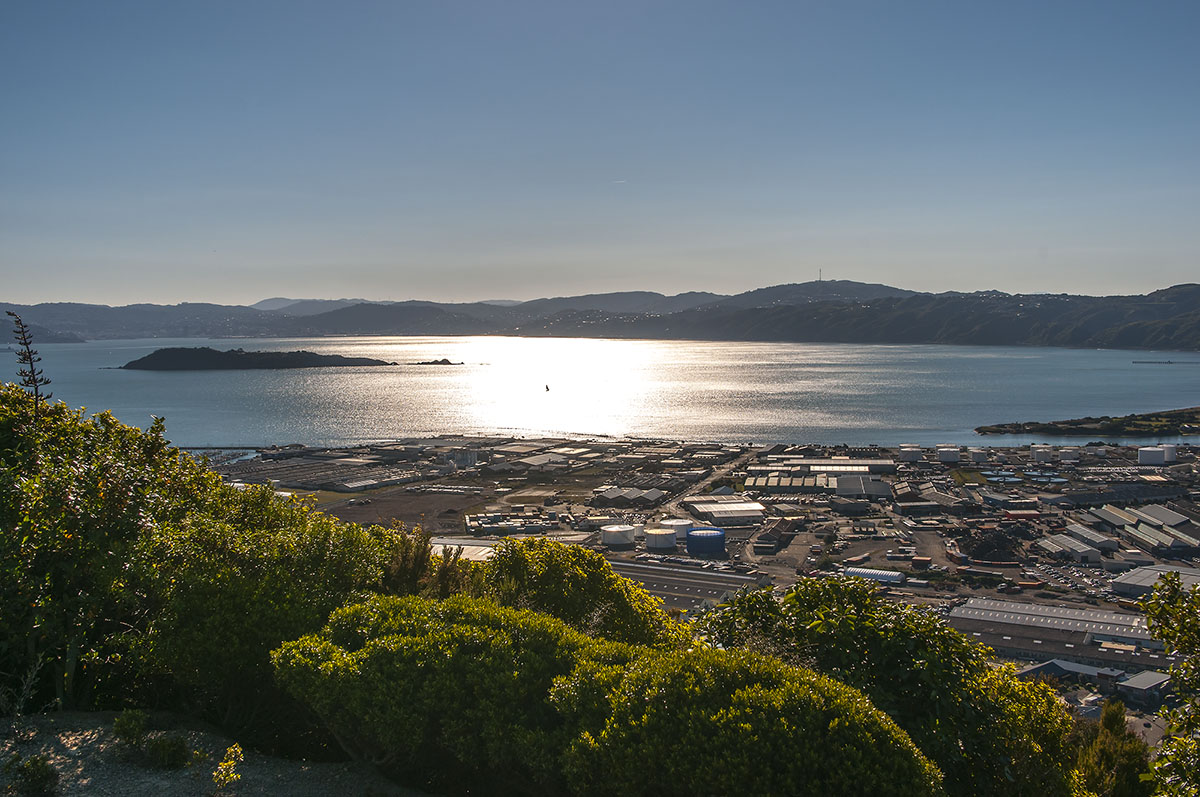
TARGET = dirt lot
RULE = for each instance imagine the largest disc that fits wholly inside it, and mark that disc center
(437, 512)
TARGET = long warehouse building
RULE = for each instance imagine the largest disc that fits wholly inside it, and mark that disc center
(1034, 632)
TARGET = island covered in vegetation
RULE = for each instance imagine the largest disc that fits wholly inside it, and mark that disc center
(1149, 424)
(203, 358)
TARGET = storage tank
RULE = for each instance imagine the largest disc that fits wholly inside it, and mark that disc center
(639, 531)
(948, 455)
(706, 541)
(1170, 451)
(680, 526)
(617, 536)
(909, 454)
(1042, 453)
(660, 540)
(978, 455)
(1152, 455)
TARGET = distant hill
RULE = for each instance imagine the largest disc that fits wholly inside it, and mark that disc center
(809, 292)
(303, 307)
(623, 302)
(827, 311)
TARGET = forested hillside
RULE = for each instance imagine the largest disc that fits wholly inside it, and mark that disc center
(831, 311)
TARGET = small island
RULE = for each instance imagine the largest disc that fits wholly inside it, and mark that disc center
(1150, 424)
(204, 358)
(442, 361)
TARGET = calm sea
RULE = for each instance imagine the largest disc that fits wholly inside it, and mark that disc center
(761, 392)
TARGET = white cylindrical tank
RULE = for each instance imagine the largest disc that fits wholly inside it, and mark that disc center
(949, 455)
(1042, 453)
(660, 540)
(639, 530)
(1170, 452)
(1152, 455)
(680, 526)
(978, 455)
(617, 535)
(909, 454)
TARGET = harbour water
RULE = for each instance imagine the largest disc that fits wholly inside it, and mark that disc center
(760, 392)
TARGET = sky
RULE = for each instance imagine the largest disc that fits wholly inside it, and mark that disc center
(232, 150)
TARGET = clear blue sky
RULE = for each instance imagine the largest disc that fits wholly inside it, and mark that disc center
(228, 151)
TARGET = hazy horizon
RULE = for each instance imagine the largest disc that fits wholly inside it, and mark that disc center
(226, 152)
(505, 299)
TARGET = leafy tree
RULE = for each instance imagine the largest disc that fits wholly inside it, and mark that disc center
(1174, 615)
(988, 732)
(717, 722)
(128, 569)
(580, 588)
(1113, 761)
(73, 508)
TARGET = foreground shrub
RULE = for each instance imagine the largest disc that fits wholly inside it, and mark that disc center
(130, 727)
(224, 588)
(31, 777)
(579, 587)
(128, 571)
(511, 700)
(76, 496)
(990, 733)
(716, 722)
(458, 687)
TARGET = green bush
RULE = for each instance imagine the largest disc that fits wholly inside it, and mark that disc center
(31, 777)
(458, 687)
(514, 701)
(130, 727)
(76, 496)
(988, 732)
(716, 722)
(168, 751)
(126, 564)
(580, 588)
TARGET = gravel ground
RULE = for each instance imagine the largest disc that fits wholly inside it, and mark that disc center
(90, 761)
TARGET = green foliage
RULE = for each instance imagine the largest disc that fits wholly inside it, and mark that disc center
(31, 777)
(130, 727)
(1173, 613)
(458, 687)
(988, 732)
(76, 496)
(225, 587)
(510, 700)
(129, 565)
(716, 722)
(580, 588)
(226, 774)
(168, 751)
(1112, 760)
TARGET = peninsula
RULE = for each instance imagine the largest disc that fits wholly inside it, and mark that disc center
(1150, 424)
(204, 358)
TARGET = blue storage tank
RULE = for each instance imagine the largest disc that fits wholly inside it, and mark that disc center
(706, 541)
